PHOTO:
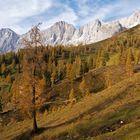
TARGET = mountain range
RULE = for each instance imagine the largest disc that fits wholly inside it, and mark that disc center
(66, 34)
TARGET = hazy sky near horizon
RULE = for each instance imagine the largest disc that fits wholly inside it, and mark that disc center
(21, 15)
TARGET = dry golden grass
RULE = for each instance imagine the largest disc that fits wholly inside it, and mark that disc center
(90, 108)
(129, 131)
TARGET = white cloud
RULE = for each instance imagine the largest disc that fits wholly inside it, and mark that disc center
(83, 7)
(14, 11)
(19, 29)
(68, 16)
(18, 8)
(118, 9)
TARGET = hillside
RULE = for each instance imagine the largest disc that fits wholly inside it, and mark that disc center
(110, 47)
(111, 114)
(85, 92)
(95, 80)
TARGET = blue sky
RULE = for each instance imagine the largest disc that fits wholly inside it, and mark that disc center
(21, 15)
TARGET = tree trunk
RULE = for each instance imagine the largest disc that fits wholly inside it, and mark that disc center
(34, 113)
(19, 68)
(35, 128)
(1, 104)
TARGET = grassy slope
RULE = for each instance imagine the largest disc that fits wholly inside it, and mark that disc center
(104, 110)
(93, 117)
(95, 80)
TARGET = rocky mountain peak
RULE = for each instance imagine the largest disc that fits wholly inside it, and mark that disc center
(64, 33)
(8, 40)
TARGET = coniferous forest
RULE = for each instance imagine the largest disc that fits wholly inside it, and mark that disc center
(71, 92)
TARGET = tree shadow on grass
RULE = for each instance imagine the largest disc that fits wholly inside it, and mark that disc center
(27, 135)
(30, 134)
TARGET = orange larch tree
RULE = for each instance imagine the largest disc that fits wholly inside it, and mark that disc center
(28, 92)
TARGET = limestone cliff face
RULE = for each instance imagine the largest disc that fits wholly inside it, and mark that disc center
(8, 40)
(64, 33)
